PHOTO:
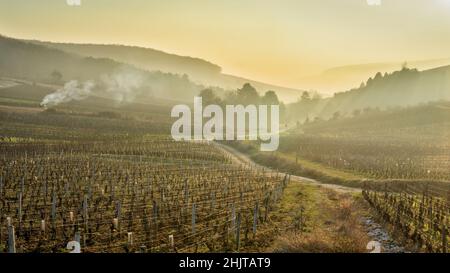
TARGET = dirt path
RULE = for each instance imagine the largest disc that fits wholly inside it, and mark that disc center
(243, 159)
(374, 230)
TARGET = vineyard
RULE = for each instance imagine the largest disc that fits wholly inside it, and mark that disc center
(115, 182)
(152, 196)
(419, 211)
(404, 179)
(375, 157)
(65, 126)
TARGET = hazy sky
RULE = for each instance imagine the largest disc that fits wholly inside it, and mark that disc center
(276, 41)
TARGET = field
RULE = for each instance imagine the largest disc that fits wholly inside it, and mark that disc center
(405, 144)
(376, 158)
(152, 196)
(115, 182)
(418, 212)
(110, 178)
(401, 158)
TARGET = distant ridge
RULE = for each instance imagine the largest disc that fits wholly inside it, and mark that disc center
(402, 88)
(36, 62)
(198, 70)
(337, 79)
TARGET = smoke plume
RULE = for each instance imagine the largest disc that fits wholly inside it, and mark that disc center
(72, 90)
(122, 87)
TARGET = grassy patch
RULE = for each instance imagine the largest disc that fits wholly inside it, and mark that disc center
(330, 221)
(288, 163)
(324, 169)
(310, 218)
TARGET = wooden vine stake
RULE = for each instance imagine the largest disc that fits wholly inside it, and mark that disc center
(53, 211)
(238, 232)
(255, 218)
(171, 242)
(130, 239)
(20, 209)
(193, 218)
(116, 223)
(85, 212)
(43, 226)
(77, 237)
(11, 240)
(444, 239)
(233, 217)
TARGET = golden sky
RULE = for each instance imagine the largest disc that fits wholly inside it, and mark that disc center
(275, 41)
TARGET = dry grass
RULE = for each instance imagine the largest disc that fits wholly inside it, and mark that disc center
(337, 227)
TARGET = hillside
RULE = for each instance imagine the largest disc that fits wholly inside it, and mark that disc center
(23, 60)
(407, 87)
(430, 121)
(200, 71)
(147, 58)
(340, 78)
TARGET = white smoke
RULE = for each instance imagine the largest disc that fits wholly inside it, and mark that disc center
(72, 90)
(121, 87)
